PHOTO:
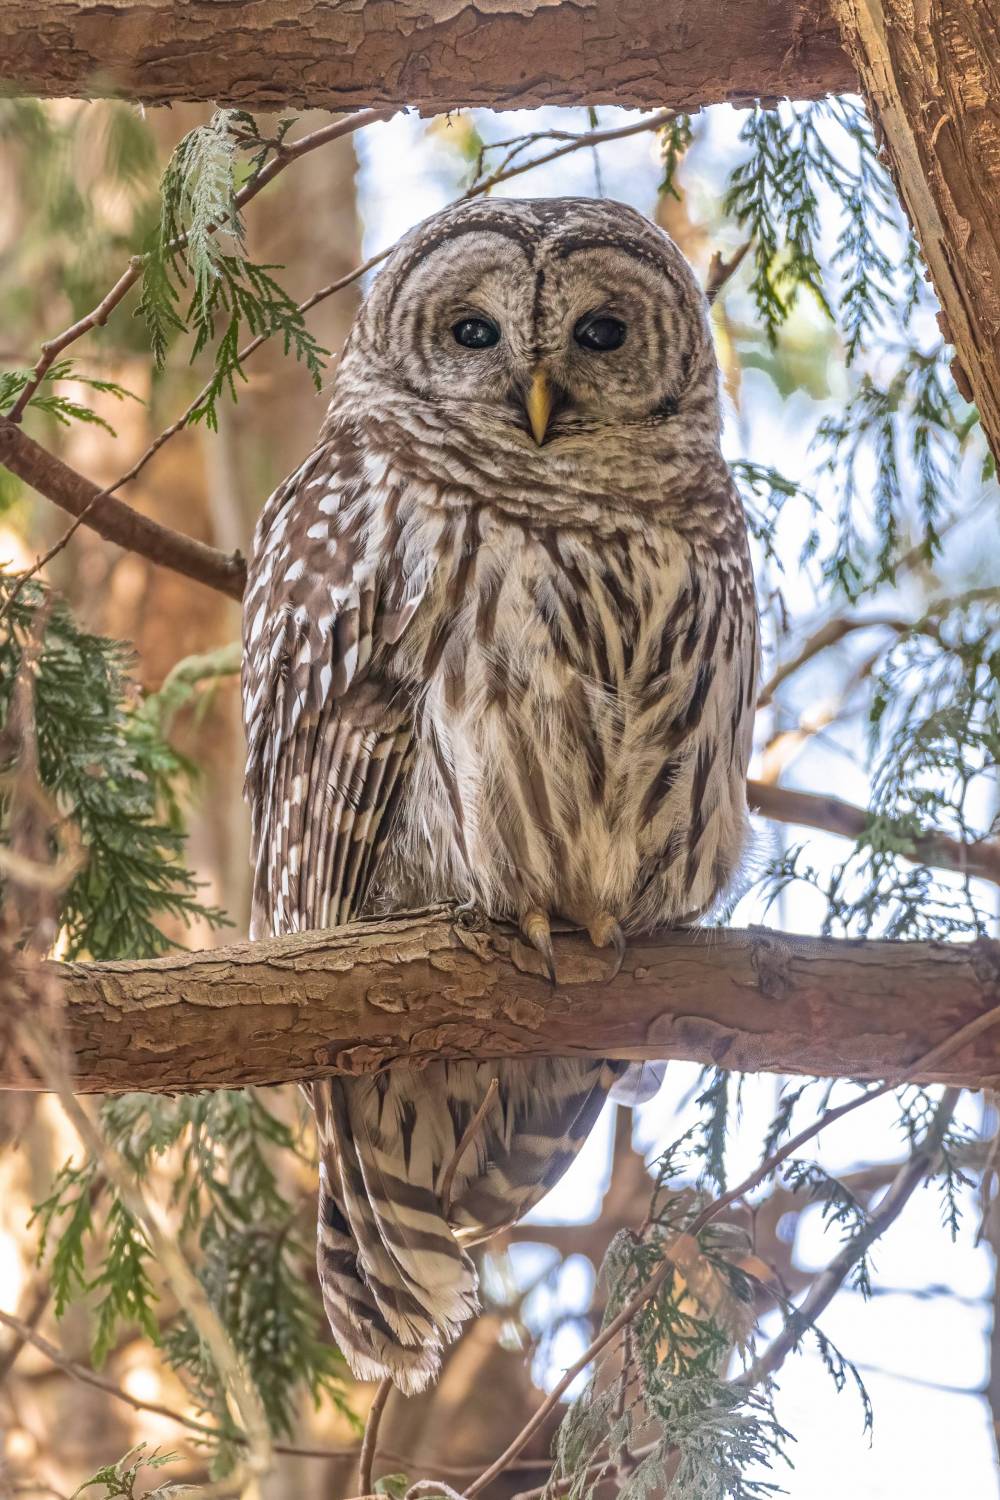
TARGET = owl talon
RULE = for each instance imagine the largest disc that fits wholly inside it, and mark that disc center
(535, 926)
(606, 932)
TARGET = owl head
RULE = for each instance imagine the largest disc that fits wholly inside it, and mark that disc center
(538, 325)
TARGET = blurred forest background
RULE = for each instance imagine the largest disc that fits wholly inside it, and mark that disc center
(877, 553)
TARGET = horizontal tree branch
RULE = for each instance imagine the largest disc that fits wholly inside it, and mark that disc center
(428, 985)
(979, 860)
(113, 519)
(435, 54)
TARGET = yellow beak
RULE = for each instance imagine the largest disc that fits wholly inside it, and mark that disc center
(539, 405)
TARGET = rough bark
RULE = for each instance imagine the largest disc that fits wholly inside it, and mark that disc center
(930, 70)
(435, 54)
(424, 985)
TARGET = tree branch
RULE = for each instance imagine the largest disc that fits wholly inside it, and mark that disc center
(507, 54)
(836, 629)
(113, 519)
(427, 985)
(809, 810)
(26, 1333)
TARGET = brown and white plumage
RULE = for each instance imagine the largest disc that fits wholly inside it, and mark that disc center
(492, 669)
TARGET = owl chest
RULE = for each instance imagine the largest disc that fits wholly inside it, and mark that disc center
(531, 652)
(517, 621)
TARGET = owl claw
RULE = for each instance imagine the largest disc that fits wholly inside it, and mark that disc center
(606, 932)
(535, 926)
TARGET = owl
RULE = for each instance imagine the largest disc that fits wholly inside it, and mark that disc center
(500, 648)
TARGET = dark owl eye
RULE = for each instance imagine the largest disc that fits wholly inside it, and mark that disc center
(476, 333)
(600, 335)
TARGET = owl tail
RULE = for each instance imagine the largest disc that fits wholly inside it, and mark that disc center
(397, 1283)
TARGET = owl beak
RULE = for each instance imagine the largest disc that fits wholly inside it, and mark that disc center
(538, 405)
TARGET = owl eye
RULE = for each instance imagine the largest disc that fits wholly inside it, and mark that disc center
(476, 333)
(600, 335)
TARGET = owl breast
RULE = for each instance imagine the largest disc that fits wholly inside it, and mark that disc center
(582, 721)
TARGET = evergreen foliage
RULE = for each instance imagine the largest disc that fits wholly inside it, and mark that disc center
(231, 295)
(111, 775)
(105, 762)
(247, 1236)
(56, 403)
(934, 741)
(715, 1439)
(120, 1479)
(775, 195)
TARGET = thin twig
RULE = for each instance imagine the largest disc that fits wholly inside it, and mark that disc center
(24, 1328)
(46, 557)
(650, 1287)
(27, 1334)
(94, 319)
(285, 155)
(836, 629)
(366, 1462)
(720, 271)
(826, 1286)
(830, 633)
(573, 143)
(244, 354)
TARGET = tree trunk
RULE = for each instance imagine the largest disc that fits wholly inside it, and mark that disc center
(434, 54)
(930, 70)
(425, 985)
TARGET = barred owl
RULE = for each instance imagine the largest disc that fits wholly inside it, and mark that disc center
(500, 649)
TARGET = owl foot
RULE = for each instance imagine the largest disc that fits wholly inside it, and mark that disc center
(606, 932)
(535, 926)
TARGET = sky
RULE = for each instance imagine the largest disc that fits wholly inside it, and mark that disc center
(924, 1360)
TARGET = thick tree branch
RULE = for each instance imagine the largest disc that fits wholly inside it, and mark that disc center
(439, 55)
(113, 519)
(426, 985)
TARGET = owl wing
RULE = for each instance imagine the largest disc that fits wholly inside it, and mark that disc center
(331, 589)
(329, 737)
